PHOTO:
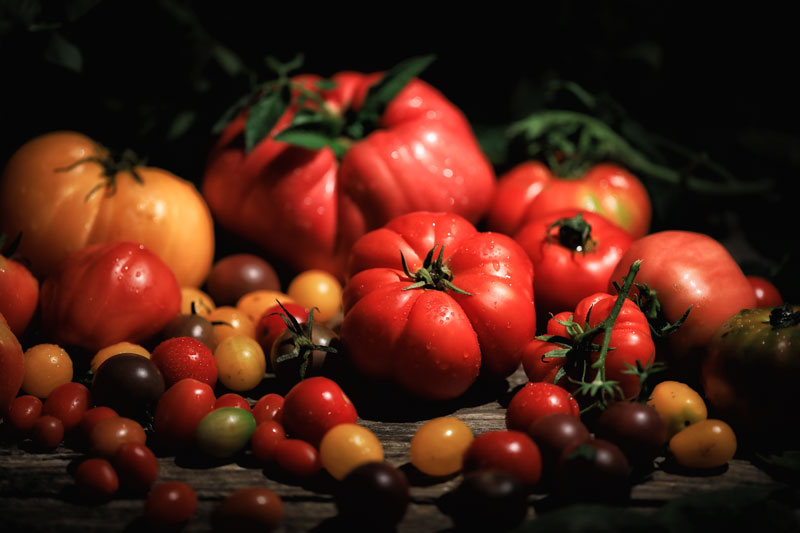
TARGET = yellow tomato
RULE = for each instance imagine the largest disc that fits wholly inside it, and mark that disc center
(317, 288)
(115, 349)
(241, 363)
(438, 446)
(678, 405)
(346, 446)
(46, 367)
(707, 444)
(230, 321)
(62, 192)
(203, 304)
(255, 303)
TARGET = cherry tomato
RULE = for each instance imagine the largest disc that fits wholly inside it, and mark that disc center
(68, 403)
(346, 446)
(19, 294)
(678, 404)
(12, 363)
(194, 326)
(298, 457)
(23, 413)
(317, 288)
(225, 432)
(265, 439)
(270, 324)
(96, 479)
(438, 446)
(535, 400)
(195, 301)
(231, 321)
(510, 451)
(180, 409)
(111, 433)
(184, 357)
(241, 362)
(115, 349)
(553, 433)
(307, 359)
(593, 470)
(232, 399)
(94, 416)
(767, 294)
(488, 500)
(251, 509)
(46, 367)
(374, 494)
(254, 304)
(129, 384)
(47, 433)
(269, 407)
(236, 275)
(636, 428)
(708, 443)
(170, 503)
(314, 406)
(137, 467)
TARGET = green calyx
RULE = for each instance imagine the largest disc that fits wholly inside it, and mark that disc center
(112, 165)
(302, 340)
(434, 274)
(573, 233)
(784, 317)
(647, 300)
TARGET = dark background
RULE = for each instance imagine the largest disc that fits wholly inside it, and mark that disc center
(156, 76)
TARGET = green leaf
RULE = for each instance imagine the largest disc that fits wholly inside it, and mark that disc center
(181, 124)
(325, 85)
(263, 116)
(227, 60)
(283, 69)
(304, 138)
(63, 53)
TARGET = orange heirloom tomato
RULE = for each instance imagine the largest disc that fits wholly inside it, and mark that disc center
(63, 192)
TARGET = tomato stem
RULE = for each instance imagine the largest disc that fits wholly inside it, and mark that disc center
(433, 274)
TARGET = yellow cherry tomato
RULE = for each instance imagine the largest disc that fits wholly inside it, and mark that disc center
(115, 349)
(438, 446)
(255, 303)
(241, 363)
(46, 367)
(203, 304)
(709, 443)
(346, 446)
(317, 288)
(678, 404)
(232, 321)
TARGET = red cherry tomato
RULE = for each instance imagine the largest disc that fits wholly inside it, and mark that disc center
(94, 416)
(137, 466)
(12, 364)
(23, 413)
(298, 457)
(248, 509)
(232, 399)
(68, 402)
(170, 503)
(179, 412)
(47, 433)
(109, 434)
(185, 357)
(271, 324)
(96, 479)
(314, 406)
(19, 294)
(535, 400)
(510, 451)
(767, 294)
(269, 407)
(265, 440)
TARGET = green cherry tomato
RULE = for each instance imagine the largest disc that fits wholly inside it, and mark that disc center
(225, 432)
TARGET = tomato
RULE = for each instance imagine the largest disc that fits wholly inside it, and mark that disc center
(271, 324)
(19, 294)
(248, 510)
(298, 457)
(535, 400)
(509, 451)
(689, 269)
(709, 443)
(678, 405)
(184, 357)
(230, 321)
(553, 433)
(573, 254)
(136, 466)
(46, 367)
(269, 407)
(594, 470)
(307, 207)
(180, 409)
(767, 294)
(232, 399)
(438, 446)
(47, 433)
(346, 446)
(315, 405)
(225, 432)
(94, 416)
(241, 362)
(193, 300)
(488, 500)
(317, 289)
(431, 339)
(194, 326)
(265, 440)
(96, 479)
(255, 304)
(107, 293)
(63, 192)
(115, 349)
(636, 428)
(12, 367)
(306, 349)
(68, 402)
(23, 413)
(170, 504)
(374, 494)
(531, 190)
(111, 433)
(129, 384)
(752, 364)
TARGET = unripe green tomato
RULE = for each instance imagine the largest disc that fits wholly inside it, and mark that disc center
(224, 432)
(241, 363)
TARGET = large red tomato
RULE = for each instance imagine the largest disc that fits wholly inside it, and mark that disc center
(689, 269)
(573, 254)
(108, 293)
(63, 191)
(531, 190)
(415, 327)
(307, 207)
(19, 294)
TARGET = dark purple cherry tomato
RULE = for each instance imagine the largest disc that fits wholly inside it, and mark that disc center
(23, 413)
(636, 428)
(129, 384)
(298, 457)
(68, 403)
(510, 451)
(236, 275)
(373, 494)
(170, 503)
(594, 470)
(96, 479)
(195, 326)
(136, 466)
(488, 500)
(554, 433)
(251, 509)
(47, 433)
(265, 440)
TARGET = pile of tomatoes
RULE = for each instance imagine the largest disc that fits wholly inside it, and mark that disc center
(137, 341)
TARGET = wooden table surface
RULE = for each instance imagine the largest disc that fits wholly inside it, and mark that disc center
(37, 492)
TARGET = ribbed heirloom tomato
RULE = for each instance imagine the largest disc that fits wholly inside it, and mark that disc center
(431, 301)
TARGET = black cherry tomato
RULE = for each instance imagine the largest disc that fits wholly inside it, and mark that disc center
(373, 494)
